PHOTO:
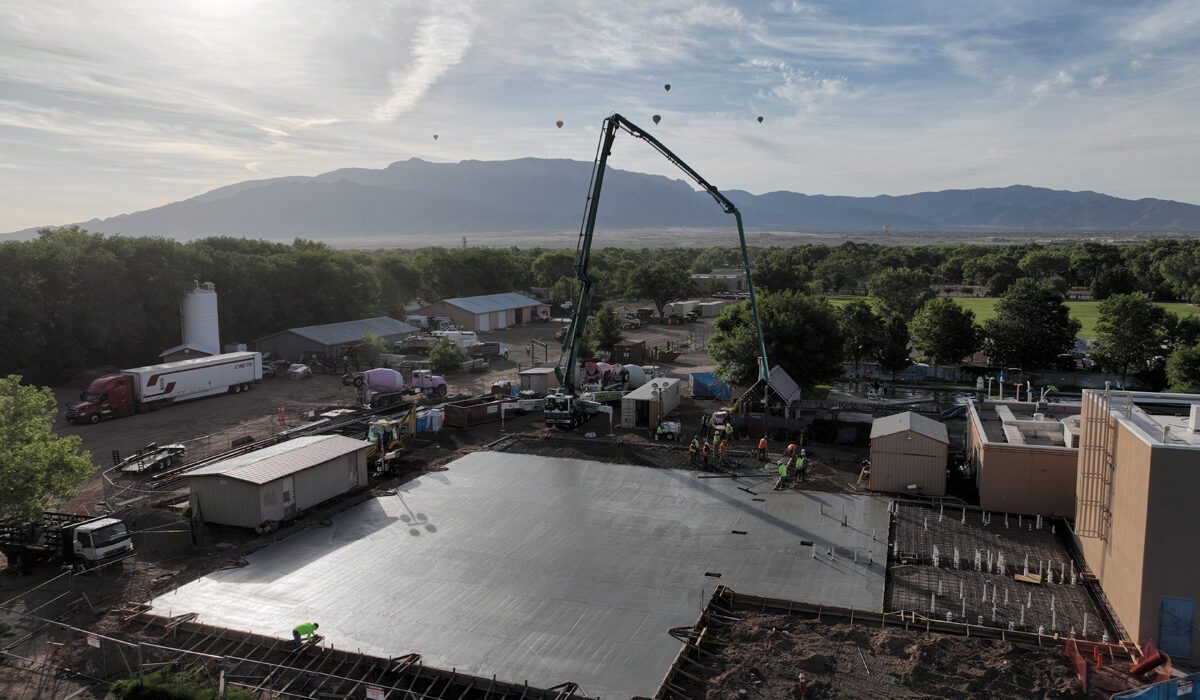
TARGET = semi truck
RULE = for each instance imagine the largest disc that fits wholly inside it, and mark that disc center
(148, 388)
(74, 539)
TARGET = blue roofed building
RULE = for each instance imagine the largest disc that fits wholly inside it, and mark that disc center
(488, 312)
(330, 340)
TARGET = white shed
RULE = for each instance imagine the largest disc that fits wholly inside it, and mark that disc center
(645, 406)
(278, 482)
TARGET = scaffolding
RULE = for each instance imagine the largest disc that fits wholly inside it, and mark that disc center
(1097, 465)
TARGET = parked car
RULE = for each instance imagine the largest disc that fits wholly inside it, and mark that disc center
(299, 371)
(630, 323)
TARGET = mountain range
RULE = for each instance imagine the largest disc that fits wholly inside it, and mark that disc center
(415, 197)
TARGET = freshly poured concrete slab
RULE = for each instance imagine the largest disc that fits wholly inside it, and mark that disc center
(548, 570)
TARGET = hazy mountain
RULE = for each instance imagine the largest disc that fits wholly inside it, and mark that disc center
(415, 197)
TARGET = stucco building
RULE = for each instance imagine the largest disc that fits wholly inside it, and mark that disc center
(1136, 521)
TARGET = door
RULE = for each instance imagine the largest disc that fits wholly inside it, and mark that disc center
(520, 316)
(1175, 632)
(485, 321)
(289, 496)
(501, 319)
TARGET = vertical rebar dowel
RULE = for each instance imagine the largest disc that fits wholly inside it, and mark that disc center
(940, 586)
(1053, 620)
(1026, 563)
(956, 557)
(1051, 602)
(1062, 572)
(964, 516)
(896, 548)
(1029, 599)
(1085, 621)
(926, 522)
(960, 593)
(1006, 521)
(941, 511)
(1006, 596)
(1022, 617)
(1019, 518)
(933, 602)
(964, 608)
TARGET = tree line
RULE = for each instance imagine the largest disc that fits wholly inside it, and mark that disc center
(71, 298)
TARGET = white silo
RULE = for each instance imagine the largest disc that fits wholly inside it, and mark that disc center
(199, 312)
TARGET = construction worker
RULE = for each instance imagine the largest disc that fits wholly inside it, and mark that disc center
(308, 629)
(704, 426)
(791, 450)
(660, 433)
(716, 438)
(694, 450)
(762, 449)
(729, 431)
(802, 465)
(706, 452)
(783, 472)
(724, 447)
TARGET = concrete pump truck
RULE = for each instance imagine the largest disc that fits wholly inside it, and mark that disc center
(568, 408)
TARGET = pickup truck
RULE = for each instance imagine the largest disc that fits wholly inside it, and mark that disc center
(630, 323)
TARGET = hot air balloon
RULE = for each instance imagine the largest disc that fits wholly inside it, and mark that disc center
(435, 137)
(657, 118)
(667, 87)
(558, 123)
(760, 120)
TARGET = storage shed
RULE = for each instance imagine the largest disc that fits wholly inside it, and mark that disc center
(329, 340)
(630, 352)
(645, 406)
(488, 312)
(539, 379)
(909, 450)
(278, 482)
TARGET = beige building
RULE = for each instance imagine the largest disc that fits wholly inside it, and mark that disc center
(908, 454)
(725, 280)
(1024, 456)
(488, 312)
(1136, 519)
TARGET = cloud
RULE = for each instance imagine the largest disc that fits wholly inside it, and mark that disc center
(439, 43)
(1174, 21)
(1098, 80)
(1058, 82)
(804, 91)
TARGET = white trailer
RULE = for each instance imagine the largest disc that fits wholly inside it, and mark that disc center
(231, 372)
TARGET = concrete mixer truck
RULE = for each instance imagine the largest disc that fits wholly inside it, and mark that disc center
(381, 387)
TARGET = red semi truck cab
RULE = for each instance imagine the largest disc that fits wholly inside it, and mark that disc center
(110, 396)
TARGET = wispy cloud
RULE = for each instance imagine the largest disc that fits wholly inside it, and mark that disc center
(1177, 20)
(440, 42)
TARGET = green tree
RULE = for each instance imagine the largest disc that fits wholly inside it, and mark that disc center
(607, 328)
(893, 353)
(945, 331)
(661, 282)
(862, 329)
(446, 356)
(1112, 281)
(1032, 327)
(551, 265)
(371, 347)
(1131, 331)
(37, 467)
(802, 336)
(1183, 370)
(900, 291)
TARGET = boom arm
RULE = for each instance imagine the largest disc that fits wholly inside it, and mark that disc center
(567, 372)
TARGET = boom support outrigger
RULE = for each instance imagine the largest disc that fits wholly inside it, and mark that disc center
(565, 408)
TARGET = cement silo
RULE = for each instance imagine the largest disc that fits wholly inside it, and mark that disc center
(199, 312)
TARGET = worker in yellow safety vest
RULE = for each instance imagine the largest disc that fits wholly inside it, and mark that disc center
(694, 450)
(307, 629)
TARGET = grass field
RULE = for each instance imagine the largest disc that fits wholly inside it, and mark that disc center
(1086, 312)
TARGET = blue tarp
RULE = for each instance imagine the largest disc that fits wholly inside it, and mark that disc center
(705, 385)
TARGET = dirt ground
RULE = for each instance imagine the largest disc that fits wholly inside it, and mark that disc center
(763, 656)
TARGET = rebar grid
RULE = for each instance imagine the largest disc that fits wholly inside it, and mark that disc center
(979, 586)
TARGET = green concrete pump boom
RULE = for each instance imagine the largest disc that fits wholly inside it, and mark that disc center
(566, 371)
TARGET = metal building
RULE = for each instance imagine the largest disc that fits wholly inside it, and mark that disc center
(330, 340)
(908, 454)
(278, 482)
(488, 312)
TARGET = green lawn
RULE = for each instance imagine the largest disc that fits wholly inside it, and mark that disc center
(1086, 312)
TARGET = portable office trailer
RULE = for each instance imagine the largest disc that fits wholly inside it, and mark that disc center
(278, 482)
(710, 309)
(645, 406)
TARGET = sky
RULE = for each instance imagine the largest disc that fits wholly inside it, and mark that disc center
(114, 106)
